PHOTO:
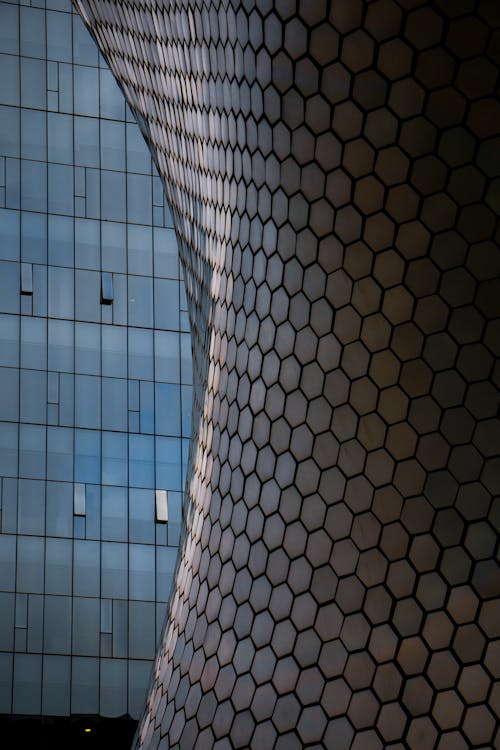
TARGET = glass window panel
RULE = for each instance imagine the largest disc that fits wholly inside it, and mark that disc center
(140, 245)
(114, 514)
(8, 449)
(112, 145)
(53, 387)
(79, 499)
(30, 568)
(187, 408)
(66, 400)
(6, 667)
(39, 290)
(6, 622)
(147, 402)
(60, 189)
(120, 302)
(142, 571)
(32, 26)
(61, 240)
(87, 456)
(60, 138)
(141, 461)
(56, 685)
(114, 404)
(114, 570)
(120, 628)
(174, 517)
(114, 257)
(27, 683)
(9, 340)
(35, 622)
(87, 402)
(33, 84)
(138, 682)
(166, 253)
(34, 343)
(140, 307)
(86, 141)
(21, 611)
(61, 293)
(65, 87)
(9, 390)
(33, 185)
(86, 83)
(57, 626)
(12, 183)
(27, 279)
(59, 36)
(186, 359)
(106, 616)
(33, 134)
(167, 404)
(9, 234)
(88, 348)
(31, 508)
(9, 28)
(138, 156)
(114, 351)
(166, 558)
(32, 451)
(9, 80)
(58, 566)
(86, 627)
(139, 198)
(59, 509)
(87, 244)
(61, 344)
(142, 516)
(142, 630)
(84, 48)
(33, 396)
(112, 99)
(113, 195)
(34, 237)
(9, 286)
(88, 295)
(133, 395)
(140, 352)
(84, 678)
(9, 505)
(60, 454)
(167, 349)
(93, 511)
(114, 458)
(106, 288)
(86, 568)
(168, 463)
(113, 684)
(7, 562)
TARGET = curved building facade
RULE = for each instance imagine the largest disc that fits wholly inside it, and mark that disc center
(332, 169)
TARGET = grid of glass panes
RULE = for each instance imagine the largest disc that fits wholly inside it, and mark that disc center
(95, 377)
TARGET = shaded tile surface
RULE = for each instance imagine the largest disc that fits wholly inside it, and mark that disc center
(333, 174)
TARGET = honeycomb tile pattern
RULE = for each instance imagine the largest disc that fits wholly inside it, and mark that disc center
(333, 169)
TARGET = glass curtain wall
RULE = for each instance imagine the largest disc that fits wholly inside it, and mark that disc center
(95, 378)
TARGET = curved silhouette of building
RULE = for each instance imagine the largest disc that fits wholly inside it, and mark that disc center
(332, 170)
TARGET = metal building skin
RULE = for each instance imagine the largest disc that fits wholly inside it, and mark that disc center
(331, 169)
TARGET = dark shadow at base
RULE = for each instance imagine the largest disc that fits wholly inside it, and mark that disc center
(70, 733)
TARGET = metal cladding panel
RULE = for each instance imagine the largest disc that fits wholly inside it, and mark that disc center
(331, 170)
